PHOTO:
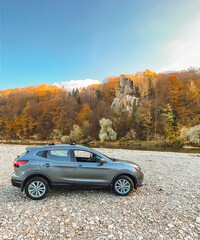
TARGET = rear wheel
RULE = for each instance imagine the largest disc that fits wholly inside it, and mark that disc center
(123, 185)
(37, 188)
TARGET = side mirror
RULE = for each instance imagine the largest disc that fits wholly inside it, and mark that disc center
(102, 161)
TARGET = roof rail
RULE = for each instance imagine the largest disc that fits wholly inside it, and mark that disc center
(51, 144)
(72, 143)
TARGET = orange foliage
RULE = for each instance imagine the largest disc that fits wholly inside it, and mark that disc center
(109, 88)
(83, 115)
(37, 110)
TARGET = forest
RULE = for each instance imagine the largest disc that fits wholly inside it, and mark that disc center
(168, 110)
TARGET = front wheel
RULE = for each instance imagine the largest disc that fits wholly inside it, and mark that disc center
(123, 185)
(37, 188)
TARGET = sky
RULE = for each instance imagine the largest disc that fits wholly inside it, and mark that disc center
(80, 42)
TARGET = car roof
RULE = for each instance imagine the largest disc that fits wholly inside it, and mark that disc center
(57, 146)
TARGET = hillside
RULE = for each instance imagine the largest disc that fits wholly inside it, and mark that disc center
(167, 104)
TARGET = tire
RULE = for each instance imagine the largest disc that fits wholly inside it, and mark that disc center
(37, 188)
(123, 185)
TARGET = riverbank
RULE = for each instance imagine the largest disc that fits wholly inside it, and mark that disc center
(165, 207)
(134, 145)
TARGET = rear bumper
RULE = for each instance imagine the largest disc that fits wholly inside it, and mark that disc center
(16, 183)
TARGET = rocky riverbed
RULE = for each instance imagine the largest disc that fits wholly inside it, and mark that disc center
(166, 207)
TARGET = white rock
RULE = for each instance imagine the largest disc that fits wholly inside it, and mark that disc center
(170, 225)
(110, 226)
(198, 220)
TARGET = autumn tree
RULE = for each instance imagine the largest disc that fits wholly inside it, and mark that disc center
(35, 111)
(143, 119)
(106, 132)
(169, 124)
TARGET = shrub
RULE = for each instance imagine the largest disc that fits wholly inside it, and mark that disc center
(191, 134)
(122, 139)
(131, 135)
(76, 134)
(106, 131)
(56, 134)
(65, 139)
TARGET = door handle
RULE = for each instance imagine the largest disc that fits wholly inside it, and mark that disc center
(47, 165)
(79, 166)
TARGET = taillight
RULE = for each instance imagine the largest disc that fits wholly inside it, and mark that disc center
(17, 163)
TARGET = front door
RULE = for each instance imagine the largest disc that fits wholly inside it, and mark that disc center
(89, 171)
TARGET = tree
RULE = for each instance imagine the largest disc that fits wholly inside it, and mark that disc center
(122, 123)
(143, 119)
(106, 131)
(83, 114)
(169, 124)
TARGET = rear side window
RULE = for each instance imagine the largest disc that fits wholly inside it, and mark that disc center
(61, 153)
(58, 155)
(41, 154)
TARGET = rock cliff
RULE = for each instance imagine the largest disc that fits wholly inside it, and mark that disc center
(126, 95)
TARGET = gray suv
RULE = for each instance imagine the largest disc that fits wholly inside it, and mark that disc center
(41, 168)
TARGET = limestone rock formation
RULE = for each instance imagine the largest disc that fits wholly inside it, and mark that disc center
(126, 96)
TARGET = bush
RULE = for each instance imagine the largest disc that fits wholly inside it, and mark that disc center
(65, 139)
(56, 134)
(106, 131)
(131, 135)
(191, 134)
(76, 134)
(122, 139)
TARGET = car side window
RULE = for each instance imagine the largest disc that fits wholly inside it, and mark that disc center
(41, 154)
(58, 155)
(85, 156)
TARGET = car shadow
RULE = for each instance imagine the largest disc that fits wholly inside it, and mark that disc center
(10, 194)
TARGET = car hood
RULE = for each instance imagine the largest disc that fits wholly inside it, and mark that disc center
(125, 162)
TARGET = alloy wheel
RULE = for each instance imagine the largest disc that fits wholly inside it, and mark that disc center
(122, 186)
(36, 189)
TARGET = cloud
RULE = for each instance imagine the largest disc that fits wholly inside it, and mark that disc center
(183, 52)
(69, 85)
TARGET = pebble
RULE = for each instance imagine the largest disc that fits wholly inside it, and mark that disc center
(198, 220)
(165, 207)
(170, 225)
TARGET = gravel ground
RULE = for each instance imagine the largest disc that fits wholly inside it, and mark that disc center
(166, 207)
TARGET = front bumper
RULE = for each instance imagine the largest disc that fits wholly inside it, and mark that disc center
(16, 183)
(140, 179)
(139, 184)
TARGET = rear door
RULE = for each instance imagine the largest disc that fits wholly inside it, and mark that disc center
(88, 170)
(58, 166)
